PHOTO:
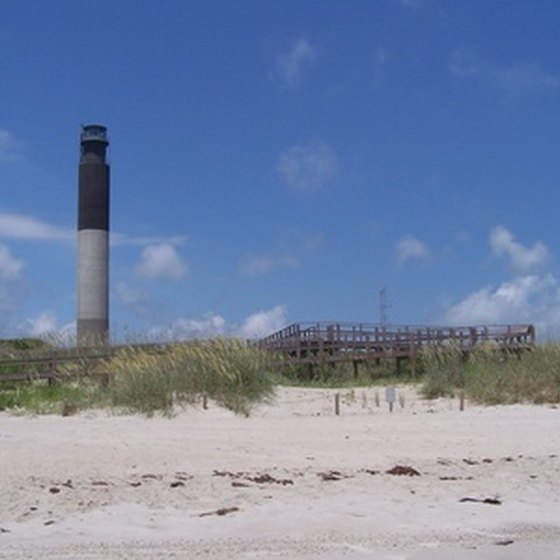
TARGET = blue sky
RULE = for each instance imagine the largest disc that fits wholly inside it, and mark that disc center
(275, 162)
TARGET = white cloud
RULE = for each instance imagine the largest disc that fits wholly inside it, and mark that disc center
(212, 324)
(128, 295)
(9, 147)
(290, 65)
(209, 325)
(410, 248)
(525, 299)
(136, 300)
(17, 226)
(379, 63)
(258, 265)
(8, 303)
(161, 261)
(529, 297)
(515, 80)
(410, 3)
(120, 239)
(264, 323)
(465, 64)
(10, 267)
(525, 78)
(312, 242)
(46, 325)
(523, 259)
(308, 167)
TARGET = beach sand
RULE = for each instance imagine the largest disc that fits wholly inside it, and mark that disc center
(291, 481)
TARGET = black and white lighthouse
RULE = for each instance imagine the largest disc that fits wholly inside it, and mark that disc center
(93, 236)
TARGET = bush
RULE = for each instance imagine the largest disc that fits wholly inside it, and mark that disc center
(231, 372)
(40, 398)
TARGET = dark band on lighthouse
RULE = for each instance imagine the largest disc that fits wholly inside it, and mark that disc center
(93, 236)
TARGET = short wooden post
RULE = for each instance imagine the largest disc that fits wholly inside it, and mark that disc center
(337, 404)
(390, 397)
(462, 401)
(205, 402)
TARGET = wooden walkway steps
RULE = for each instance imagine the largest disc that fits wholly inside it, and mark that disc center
(317, 344)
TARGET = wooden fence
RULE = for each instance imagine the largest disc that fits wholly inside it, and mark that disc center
(318, 344)
(29, 365)
(309, 344)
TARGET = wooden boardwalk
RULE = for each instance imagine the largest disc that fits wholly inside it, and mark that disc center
(45, 364)
(302, 344)
(329, 343)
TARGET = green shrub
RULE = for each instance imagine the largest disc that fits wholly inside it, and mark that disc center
(41, 398)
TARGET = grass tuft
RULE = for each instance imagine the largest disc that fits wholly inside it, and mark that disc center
(231, 372)
(491, 376)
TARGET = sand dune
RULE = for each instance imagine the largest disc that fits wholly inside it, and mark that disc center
(291, 481)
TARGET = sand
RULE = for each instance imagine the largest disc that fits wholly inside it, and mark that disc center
(291, 481)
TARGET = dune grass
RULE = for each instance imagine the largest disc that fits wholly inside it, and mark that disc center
(228, 371)
(234, 374)
(150, 379)
(489, 375)
(343, 374)
(39, 398)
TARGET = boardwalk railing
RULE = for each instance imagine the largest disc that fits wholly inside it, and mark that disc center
(328, 342)
(311, 344)
(47, 364)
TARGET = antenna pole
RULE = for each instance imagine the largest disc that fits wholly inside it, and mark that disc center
(383, 307)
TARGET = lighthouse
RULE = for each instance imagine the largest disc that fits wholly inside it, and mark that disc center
(93, 237)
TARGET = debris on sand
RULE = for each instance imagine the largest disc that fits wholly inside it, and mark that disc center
(227, 473)
(266, 478)
(263, 478)
(331, 475)
(490, 501)
(403, 470)
(182, 475)
(221, 511)
(151, 476)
